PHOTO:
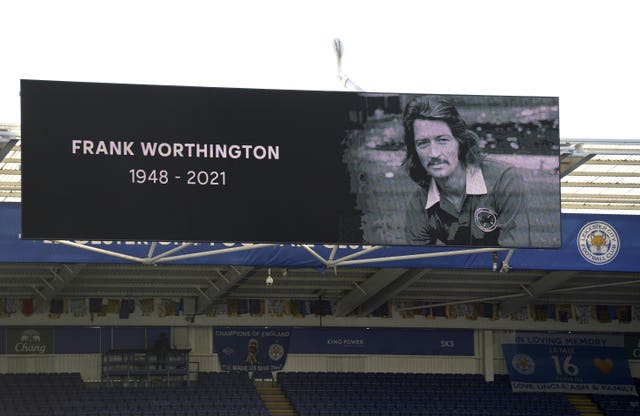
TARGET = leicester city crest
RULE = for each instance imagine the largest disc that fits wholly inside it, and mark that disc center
(485, 219)
(598, 242)
(276, 352)
(523, 364)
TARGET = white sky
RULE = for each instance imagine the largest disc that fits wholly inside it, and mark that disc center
(587, 52)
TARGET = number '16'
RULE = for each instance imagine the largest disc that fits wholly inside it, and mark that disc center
(568, 368)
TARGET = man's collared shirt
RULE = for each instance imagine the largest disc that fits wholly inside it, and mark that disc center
(493, 211)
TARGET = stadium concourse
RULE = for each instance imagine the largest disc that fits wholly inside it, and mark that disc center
(354, 329)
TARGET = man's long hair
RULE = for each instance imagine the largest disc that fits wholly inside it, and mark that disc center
(432, 107)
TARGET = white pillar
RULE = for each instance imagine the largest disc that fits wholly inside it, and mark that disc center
(487, 354)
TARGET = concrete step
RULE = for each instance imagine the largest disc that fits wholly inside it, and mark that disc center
(584, 405)
(274, 399)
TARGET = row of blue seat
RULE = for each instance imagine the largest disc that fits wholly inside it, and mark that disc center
(348, 409)
(437, 412)
(209, 412)
(149, 397)
(219, 404)
(462, 398)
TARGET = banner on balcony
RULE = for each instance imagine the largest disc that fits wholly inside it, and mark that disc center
(385, 341)
(570, 363)
(251, 348)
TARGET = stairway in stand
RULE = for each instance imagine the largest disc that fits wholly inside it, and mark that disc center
(584, 405)
(274, 399)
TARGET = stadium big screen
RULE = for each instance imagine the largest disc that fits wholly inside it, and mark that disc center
(168, 163)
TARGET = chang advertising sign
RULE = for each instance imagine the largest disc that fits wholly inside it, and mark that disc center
(632, 346)
(34, 341)
(136, 162)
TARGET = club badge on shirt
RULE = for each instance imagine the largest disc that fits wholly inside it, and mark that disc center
(485, 219)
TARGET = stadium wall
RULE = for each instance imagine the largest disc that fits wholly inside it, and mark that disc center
(487, 359)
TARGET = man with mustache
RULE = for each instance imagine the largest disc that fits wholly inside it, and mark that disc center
(252, 352)
(464, 199)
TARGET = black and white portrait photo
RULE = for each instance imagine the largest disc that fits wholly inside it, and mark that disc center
(457, 170)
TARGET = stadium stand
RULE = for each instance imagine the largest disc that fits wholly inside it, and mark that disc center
(619, 405)
(374, 394)
(219, 394)
(311, 394)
